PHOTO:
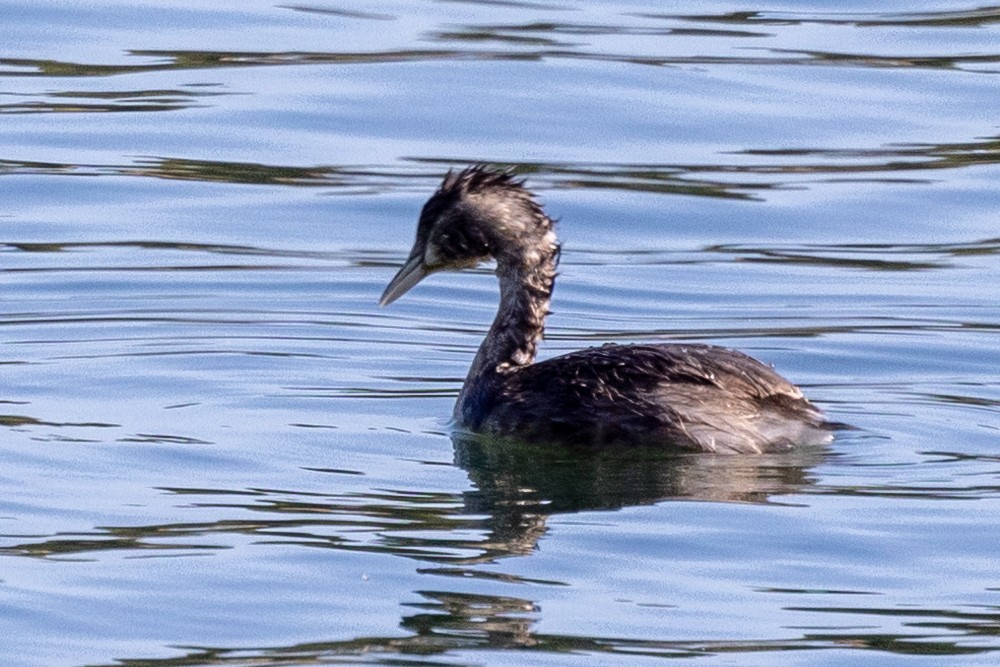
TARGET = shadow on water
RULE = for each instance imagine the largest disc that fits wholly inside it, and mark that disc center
(450, 622)
(971, 18)
(864, 256)
(542, 37)
(519, 485)
(74, 101)
(736, 178)
(424, 174)
(516, 488)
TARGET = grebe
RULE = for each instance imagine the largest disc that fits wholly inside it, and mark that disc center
(688, 397)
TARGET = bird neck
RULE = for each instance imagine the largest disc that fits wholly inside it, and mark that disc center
(526, 279)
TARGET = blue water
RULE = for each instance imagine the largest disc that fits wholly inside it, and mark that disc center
(217, 450)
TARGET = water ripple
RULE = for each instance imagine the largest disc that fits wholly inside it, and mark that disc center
(784, 169)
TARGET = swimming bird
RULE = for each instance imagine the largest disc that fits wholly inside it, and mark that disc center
(688, 397)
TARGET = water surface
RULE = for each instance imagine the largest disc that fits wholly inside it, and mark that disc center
(217, 449)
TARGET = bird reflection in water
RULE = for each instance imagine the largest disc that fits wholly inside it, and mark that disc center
(519, 484)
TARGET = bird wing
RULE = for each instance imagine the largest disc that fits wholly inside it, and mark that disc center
(699, 397)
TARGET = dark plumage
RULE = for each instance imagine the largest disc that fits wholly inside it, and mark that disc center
(686, 397)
